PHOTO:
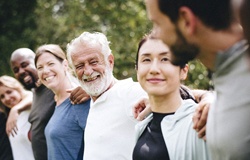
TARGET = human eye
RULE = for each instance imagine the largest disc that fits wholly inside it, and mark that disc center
(9, 91)
(24, 64)
(94, 62)
(15, 70)
(2, 96)
(51, 63)
(78, 67)
(164, 59)
(39, 68)
(145, 60)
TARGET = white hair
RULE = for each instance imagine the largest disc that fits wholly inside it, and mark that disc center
(87, 38)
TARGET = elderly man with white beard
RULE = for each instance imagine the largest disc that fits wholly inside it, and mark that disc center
(109, 132)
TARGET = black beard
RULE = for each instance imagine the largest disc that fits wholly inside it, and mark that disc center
(29, 86)
(183, 51)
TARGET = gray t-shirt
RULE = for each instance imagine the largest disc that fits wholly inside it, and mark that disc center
(43, 107)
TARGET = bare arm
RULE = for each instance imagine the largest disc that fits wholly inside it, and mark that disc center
(24, 104)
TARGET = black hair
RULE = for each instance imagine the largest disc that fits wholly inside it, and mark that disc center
(216, 14)
(182, 64)
(185, 93)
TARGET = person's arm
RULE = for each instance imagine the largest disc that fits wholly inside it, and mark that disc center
(24, 104)
(204, 99)
(78, 95)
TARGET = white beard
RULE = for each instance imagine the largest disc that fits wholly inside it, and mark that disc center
(98, 86)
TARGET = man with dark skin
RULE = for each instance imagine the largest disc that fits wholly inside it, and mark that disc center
(209, 30)
(23, 67)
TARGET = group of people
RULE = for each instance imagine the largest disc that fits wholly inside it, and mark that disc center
(59, 122)
(72, 131)
(26, 129)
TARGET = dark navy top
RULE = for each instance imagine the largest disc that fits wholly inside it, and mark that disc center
(151, 145)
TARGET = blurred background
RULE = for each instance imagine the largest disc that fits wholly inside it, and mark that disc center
(32, 23)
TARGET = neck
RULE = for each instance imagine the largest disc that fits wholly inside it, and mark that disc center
(166, 103)
(94, 98)
(60, 92)
(211, 42)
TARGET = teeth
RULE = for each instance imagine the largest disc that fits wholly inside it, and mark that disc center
(49, 78)
(90, 79)
(26, 79)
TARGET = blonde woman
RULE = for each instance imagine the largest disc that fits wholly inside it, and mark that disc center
(64, 132)
(11, 94)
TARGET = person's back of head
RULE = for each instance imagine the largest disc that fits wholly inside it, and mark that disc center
(215, 14)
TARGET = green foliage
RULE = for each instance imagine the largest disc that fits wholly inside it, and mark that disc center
(198, 76)
(17, 24)
(59, 21)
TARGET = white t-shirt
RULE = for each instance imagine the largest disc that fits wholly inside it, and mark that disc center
(110, 129)
(20, 144)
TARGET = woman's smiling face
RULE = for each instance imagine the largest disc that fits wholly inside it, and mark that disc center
(156, 74)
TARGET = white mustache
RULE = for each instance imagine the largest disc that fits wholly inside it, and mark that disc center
(92, 76)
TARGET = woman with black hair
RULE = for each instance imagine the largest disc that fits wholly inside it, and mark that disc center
(168, 132)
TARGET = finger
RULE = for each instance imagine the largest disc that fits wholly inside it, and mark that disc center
(84, 99)
(203, 119)
(202, 132)
(140, 116)
(14, 131)
(74, 92)
(144, 113)
(69, 90)
(136, 110)
(204, 138)
(12, 134)
(8, 130)
(80, 99)
(138, 107)
(196, 117)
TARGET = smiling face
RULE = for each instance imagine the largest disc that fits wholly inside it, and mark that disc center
(9, 96)
(22, 64)
(51, 71)
(93, 70)
(156, 74)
